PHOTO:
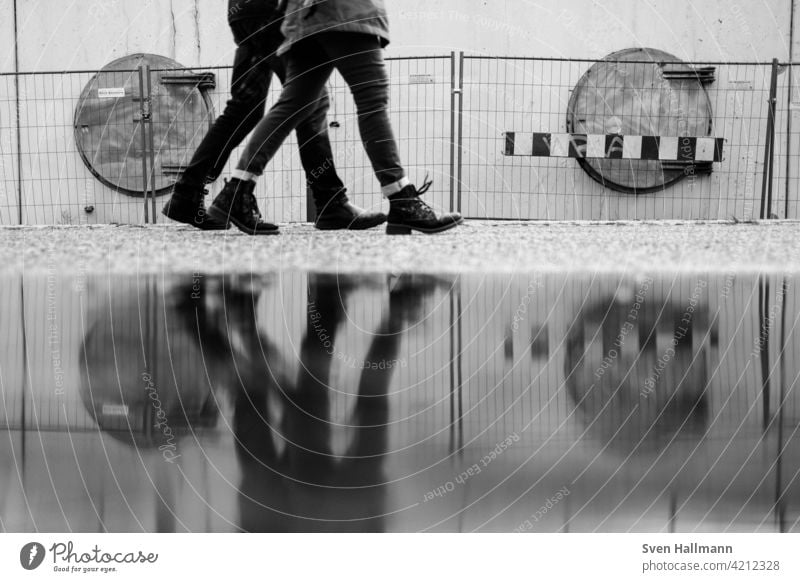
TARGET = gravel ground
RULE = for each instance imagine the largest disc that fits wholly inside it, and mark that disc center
(477, 246)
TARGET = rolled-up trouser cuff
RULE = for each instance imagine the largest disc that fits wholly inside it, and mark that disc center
(395, 187)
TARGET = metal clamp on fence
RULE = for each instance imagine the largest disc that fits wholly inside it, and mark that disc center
(703, 75)
(203, 81)
(172, 169)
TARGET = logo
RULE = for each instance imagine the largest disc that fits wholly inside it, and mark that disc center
(31, 556)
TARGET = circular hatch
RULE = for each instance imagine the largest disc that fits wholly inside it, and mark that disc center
(108, 130)
(643, 92)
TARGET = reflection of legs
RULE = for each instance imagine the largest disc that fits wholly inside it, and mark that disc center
(406, 299)
(363, 470)
(371, 418)
(372, 407)
(308, 411)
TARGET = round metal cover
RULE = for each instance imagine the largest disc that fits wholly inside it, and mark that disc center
(108, 131)
(628, 93)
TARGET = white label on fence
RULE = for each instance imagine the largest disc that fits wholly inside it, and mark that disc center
(420, 79)
(111, 92)
(115, 410)
(741, 85)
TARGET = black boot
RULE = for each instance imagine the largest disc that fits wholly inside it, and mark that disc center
(237, 204)
(337, 213)
(186, 206)
(407, 212)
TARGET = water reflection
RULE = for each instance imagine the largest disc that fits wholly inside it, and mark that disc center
(308, 402)
(636, 370)
(292, 480)
(159, 383)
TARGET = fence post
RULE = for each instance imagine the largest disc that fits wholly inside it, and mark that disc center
(18, 107)
(460, 92)
(769, 145)
(790, 83)
(452, 130)
(150, 143)
(143, 113)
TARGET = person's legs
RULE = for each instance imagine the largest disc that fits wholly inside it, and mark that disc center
(250, 81)
(303, 101)
(306, 74)
(313, 142)
(359, 59)
(333, 208)
(237, 203)
(249, 87)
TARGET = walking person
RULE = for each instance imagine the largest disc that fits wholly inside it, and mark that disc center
(256, 30)
(348, 35)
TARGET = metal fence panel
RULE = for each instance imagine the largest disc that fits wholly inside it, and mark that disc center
(787, 144)
(9, 161)
(56, 186)
(434, 105)
(533, 95)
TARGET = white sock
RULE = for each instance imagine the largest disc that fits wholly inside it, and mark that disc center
(244, 176)
(395, 187)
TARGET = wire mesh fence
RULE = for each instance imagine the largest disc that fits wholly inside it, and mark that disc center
(627, 137)
(639, 100)
(787, 143)
(422, 116)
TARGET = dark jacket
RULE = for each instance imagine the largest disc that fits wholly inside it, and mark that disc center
(307, 17)
(252, 9)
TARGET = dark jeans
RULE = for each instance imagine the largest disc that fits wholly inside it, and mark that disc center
(309, 63)
(254, 63)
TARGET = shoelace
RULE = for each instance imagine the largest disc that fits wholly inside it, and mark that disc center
(426, 185)
(249, 204)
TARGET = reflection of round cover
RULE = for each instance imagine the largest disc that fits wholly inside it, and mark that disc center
(143, 378)
(634, 98)
(109, 137)
(627, 393)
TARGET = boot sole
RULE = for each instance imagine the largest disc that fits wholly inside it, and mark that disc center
(227, 219)
(190, 221)
(405, 229)
(352, 225)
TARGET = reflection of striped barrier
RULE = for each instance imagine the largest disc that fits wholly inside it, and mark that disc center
(621, 147)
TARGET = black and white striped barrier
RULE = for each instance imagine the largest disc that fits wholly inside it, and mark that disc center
(620, 147)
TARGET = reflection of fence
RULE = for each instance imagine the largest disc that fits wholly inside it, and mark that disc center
(492, 358)
(496, 340)
(449, 114)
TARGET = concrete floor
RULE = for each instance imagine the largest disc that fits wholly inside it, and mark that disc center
(477, 246)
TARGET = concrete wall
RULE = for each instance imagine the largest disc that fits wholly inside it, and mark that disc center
(56, 35)
(87, 34)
